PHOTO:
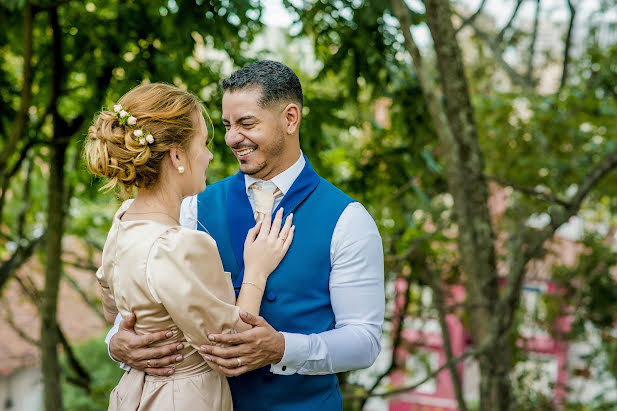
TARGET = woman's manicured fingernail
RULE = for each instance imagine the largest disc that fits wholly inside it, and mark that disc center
(179, 347)
(169, 334)
(208, 358)
(211, 338)
(178, 358)
(170, 372)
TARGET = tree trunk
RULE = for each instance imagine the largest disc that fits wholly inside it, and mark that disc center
(55, 229)
(466, 183)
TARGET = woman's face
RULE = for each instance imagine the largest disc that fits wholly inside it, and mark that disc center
(199, 157)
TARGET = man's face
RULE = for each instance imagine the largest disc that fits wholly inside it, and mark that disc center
(254, 133)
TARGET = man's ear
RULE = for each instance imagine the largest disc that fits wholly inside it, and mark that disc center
(291, 118)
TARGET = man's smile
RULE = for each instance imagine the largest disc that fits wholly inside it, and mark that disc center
(243, 152)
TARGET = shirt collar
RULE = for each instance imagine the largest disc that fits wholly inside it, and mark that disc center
(283, 180)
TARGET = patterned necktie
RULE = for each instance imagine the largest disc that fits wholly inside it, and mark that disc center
(264, 201)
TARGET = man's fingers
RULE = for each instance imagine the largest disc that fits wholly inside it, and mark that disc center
(232, 339)
(159, 352)
(228, 363)
(148, 339)
(128, 322)
(251, 320)
(222, 352)
(233, 372)
(159, 371)
(161, 362)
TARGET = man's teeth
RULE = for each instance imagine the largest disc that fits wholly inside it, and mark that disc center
(245, 152)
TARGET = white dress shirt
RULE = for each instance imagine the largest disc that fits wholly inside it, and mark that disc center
(356, 290)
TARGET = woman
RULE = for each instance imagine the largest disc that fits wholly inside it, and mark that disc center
(171, 277)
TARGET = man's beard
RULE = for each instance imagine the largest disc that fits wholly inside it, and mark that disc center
(250, 171)
(272, 151)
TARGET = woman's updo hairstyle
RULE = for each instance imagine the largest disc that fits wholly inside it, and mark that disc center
(112, 151)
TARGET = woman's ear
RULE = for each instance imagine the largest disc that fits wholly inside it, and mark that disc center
(177, 157)
(291, 117)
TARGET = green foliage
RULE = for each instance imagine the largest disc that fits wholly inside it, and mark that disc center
(104, 374)
(106, 48)
(365, 127)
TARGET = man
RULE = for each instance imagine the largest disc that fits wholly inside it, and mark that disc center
(323, 306)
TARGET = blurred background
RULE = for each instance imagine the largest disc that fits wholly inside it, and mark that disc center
(480, 134)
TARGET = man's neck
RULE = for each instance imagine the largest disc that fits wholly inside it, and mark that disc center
(281, 171)
(284, 179)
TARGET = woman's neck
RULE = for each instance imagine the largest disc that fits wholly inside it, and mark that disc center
(161, 202)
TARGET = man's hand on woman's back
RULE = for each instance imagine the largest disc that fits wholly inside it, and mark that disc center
(134, 350)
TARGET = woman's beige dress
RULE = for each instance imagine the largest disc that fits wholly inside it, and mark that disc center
(171, 278)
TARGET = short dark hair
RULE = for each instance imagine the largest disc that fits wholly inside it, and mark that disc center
(278, 82)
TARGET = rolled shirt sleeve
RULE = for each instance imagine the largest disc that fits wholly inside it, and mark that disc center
(110, 334)
(357, 298)
(188, 212)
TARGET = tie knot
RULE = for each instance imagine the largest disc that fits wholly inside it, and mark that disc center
(264, 195)
(265, 185)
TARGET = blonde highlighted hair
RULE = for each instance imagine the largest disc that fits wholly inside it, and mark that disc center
(111, 150)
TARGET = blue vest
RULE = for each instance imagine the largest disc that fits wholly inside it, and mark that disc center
(297, 297)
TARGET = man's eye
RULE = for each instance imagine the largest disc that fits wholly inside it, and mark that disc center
(248, 124)
(226, 126)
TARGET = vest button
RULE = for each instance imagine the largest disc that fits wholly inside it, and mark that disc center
(271, 296)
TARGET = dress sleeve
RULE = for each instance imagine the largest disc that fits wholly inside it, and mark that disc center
(107, 296)
(186, 276)
(107, 266)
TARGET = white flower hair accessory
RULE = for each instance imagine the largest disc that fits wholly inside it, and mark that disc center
(143, 137)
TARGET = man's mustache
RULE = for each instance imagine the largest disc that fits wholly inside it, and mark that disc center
(240, 146)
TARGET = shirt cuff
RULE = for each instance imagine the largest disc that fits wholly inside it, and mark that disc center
(110, 334)
(296, 354)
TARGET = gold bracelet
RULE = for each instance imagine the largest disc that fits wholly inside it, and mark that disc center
(254, 285)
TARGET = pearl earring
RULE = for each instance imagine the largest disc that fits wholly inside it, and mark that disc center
(180, 169)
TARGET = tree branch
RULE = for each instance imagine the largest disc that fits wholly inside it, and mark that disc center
(83, 378)
(20, 256)
(532, 240)
(434, 280)
(26, 203)
(427, 83)
(502, 32)
(395, 346)
(471, 18)
(471, 353)
(93, 305)
(566, 52)
(493, 45)
(21, 118)
(11, 322)
(532, 46)
(530, 191)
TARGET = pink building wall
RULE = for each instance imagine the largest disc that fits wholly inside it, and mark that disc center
(442, 398)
